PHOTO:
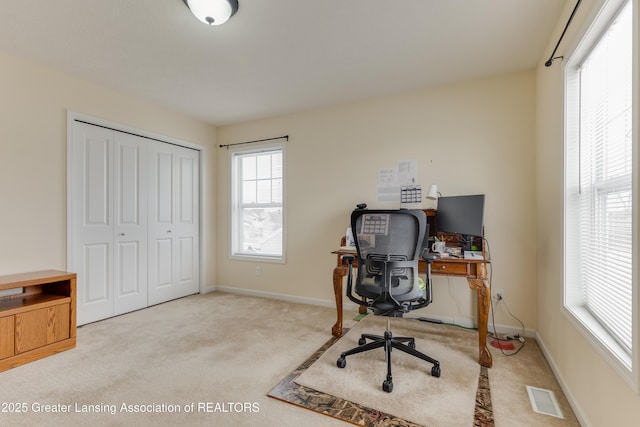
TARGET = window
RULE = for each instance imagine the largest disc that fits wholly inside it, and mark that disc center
(599, 187)
(257, 210)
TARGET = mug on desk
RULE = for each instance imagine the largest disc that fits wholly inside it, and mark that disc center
(440, 247)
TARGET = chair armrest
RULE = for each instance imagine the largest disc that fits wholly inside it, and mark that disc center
(348, 258)
(349, 293)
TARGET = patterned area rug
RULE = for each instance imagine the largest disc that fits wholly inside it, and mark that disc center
(290, 391)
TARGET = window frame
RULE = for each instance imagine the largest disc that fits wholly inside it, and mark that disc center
(234, 208)
(624, 363)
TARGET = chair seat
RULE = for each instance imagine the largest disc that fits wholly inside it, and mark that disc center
(387, 308)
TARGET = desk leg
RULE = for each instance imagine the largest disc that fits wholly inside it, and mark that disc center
(483, 288)
(338, 274)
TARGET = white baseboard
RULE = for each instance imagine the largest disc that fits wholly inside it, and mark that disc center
(273, 295)
(501, 330)
(350, 306)
(511, 330)
(207, 289)
(577, 409)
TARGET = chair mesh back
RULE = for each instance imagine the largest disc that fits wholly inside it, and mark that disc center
(388, 236)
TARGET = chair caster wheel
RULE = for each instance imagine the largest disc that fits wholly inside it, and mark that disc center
(435, 371)
(362, 341)
(341, 362)
(387, 386)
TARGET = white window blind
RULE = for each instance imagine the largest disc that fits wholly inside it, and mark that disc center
(604, 201)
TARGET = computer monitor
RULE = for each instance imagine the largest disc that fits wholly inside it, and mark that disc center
(461, 215)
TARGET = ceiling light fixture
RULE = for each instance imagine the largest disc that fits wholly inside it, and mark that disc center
(212, 12)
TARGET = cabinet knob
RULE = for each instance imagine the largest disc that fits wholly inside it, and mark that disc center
(168, 231)
(442, 267)
(122, 234)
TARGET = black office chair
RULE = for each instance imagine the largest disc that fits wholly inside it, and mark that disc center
(388, 243)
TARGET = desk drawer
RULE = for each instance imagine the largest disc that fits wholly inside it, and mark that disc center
(452, 268)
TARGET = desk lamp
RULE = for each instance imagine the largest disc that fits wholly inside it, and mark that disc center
(433, 193)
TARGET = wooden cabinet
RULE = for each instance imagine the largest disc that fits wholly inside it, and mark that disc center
(37, 318)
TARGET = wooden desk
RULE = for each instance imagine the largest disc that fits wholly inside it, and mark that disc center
(474, 270)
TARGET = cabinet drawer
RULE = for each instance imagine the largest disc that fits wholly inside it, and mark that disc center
(37, 328)
(453, 268)
(31, 330)
(58, 323)
(7, 340)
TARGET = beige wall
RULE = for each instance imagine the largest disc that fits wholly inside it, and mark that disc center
(600, 395)
(33, 152)
(469, 138)
(502, 136)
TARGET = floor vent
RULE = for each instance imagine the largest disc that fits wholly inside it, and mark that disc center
(544, 401)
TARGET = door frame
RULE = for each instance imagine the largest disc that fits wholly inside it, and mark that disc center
(73, 116)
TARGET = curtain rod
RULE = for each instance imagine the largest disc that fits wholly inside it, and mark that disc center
(257, 140)
(551, 58)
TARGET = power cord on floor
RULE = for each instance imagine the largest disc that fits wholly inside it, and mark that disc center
(507, 338)
(494, 334)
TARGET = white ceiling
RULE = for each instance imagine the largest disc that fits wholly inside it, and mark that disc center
(277, 56)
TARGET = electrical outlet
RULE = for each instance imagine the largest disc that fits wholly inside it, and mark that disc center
(258, 270)
(498, 295)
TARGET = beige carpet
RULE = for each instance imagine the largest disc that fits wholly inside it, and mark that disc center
(223, 353)
(417, 396)
(219, 352)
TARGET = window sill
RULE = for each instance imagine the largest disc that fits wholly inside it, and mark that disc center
(258, 258)
(602, 341)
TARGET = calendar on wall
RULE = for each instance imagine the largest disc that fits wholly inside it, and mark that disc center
(411, 196)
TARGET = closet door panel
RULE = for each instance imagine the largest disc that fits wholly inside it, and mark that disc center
(97, 276)
(187, 222)
(91, 187)
(187, 193)
(160, 223)
(161, 182)
(164, 187)
(129, 266)
(174, 222)
(97, 176)
(164, 251)
(130, 195)
(187, 260)
(128, 190)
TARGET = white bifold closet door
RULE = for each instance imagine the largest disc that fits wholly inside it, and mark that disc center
(108, 186)
(173, 222)
(115, 186)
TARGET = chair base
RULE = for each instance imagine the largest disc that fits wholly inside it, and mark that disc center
(388, 341)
